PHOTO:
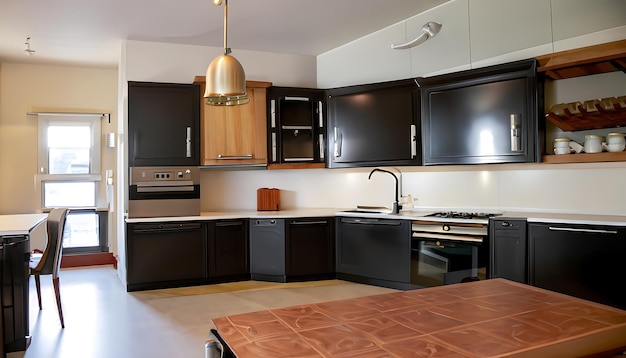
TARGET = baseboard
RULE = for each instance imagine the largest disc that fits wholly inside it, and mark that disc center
(78, 260)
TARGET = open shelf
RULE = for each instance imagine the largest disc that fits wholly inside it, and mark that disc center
(590, 60)
(585, 158)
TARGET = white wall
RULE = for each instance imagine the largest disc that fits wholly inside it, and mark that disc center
(161, 62)
(30, 88)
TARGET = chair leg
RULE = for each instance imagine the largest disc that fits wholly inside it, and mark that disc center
(57, 293)
(38, 286)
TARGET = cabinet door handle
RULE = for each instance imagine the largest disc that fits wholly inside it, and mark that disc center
(273, 113)
(516, 133)
(188, 142)
(571, 229)
(320, 114)
(321, 141)
(294, 98)
(135, 144)
(413, 141)
(229, 223)
(321, 222)
(337, 143)
(232, 157)
(274, 149)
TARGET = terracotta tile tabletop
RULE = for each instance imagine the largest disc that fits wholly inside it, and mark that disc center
(491, 318)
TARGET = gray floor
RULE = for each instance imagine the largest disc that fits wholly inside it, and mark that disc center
(102, 320)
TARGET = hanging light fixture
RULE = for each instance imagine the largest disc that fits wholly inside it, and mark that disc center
(429, 30)
(29, 50)
(225, 78)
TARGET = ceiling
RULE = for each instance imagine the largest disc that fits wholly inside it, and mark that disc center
(89, 32)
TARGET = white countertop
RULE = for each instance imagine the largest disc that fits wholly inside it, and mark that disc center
(612, 220)
(20, 224)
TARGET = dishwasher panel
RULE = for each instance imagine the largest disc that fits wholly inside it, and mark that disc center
(267, 250)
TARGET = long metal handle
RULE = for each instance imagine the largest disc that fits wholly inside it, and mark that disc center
(231, 157)
(274, 148)
(135, 144)
(337, 143)
(322, 222)
(444, 237)
(320, 114)
(294, 98)
(273, 113)
(229, 223)
(413, 141)
(164, 189)
(370, 221)
(571, 229)
(516, 133)
(321, 145)
(188, 142)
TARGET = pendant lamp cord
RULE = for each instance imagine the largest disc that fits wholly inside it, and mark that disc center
(226, 48)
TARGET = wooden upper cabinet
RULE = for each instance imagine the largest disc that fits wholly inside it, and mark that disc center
(234, 135)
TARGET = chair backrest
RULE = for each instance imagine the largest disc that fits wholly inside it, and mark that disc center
(51, 258)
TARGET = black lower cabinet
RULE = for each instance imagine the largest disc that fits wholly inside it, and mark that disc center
(15, 273)
(284, 250)
(310, 248)
(508, 249)
(169, 254)
(374, 251)
(228, 250)
(584, 261)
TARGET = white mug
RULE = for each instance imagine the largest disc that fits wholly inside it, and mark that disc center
(593, 143)
(562, 150)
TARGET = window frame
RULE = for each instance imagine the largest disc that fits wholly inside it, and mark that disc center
(46, 120)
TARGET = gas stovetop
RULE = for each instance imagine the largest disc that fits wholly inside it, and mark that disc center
(463, 215)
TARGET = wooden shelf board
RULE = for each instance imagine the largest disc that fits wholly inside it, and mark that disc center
(584, 158)
(607, 57)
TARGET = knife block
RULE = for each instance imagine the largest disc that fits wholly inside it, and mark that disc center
(267, 199)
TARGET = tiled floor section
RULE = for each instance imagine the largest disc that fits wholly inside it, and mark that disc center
(492, 318)
(102, 320)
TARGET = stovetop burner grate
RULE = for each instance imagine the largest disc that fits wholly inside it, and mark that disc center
(463, 215)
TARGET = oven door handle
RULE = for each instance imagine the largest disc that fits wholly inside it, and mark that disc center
(447, 237)
(164, 189)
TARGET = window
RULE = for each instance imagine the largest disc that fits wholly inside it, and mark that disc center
(69, 176)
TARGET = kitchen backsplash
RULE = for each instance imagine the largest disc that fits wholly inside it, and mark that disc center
(592, 189)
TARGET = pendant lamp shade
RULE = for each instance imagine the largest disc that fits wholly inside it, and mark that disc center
(225, 82)
(225, 77)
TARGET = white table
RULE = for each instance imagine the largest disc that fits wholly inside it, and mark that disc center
(20, 224)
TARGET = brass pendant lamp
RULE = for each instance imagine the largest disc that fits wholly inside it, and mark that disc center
(225, 77)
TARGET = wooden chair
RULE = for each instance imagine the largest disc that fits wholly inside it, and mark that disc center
(49, 262)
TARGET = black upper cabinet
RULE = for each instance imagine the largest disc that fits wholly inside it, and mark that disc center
(163, 124)
(374, 124)
(296, 125)
(486, 115)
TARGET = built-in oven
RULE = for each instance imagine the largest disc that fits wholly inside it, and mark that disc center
(450, 248)
(163, 192)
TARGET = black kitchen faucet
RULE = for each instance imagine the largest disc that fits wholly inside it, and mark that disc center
(395, 209)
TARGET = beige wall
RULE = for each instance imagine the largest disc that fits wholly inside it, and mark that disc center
(25, 88)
